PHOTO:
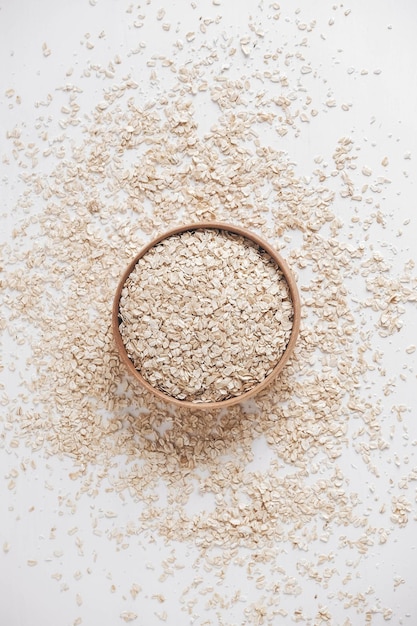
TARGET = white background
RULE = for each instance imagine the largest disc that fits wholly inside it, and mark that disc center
(374, 36)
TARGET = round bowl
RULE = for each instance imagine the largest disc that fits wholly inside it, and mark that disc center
(292, 288)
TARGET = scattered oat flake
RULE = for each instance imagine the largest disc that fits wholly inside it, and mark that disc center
(246, 45)
(135, 590)
(45, 50)
(128, 616)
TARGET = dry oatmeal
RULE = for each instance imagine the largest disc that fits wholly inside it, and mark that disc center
(205, 315)
(302, 486)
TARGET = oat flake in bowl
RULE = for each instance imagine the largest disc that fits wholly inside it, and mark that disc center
(206, 315)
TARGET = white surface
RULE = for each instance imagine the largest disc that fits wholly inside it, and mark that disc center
(374, 36)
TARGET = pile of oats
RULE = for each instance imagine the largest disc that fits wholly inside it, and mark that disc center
(205, 315)
(253, 508)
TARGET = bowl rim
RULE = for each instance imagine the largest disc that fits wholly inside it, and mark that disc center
(294, 294)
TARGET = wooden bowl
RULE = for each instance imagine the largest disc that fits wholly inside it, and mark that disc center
(280, 363)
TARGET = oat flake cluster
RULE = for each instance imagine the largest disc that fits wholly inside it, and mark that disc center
(206, 315)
